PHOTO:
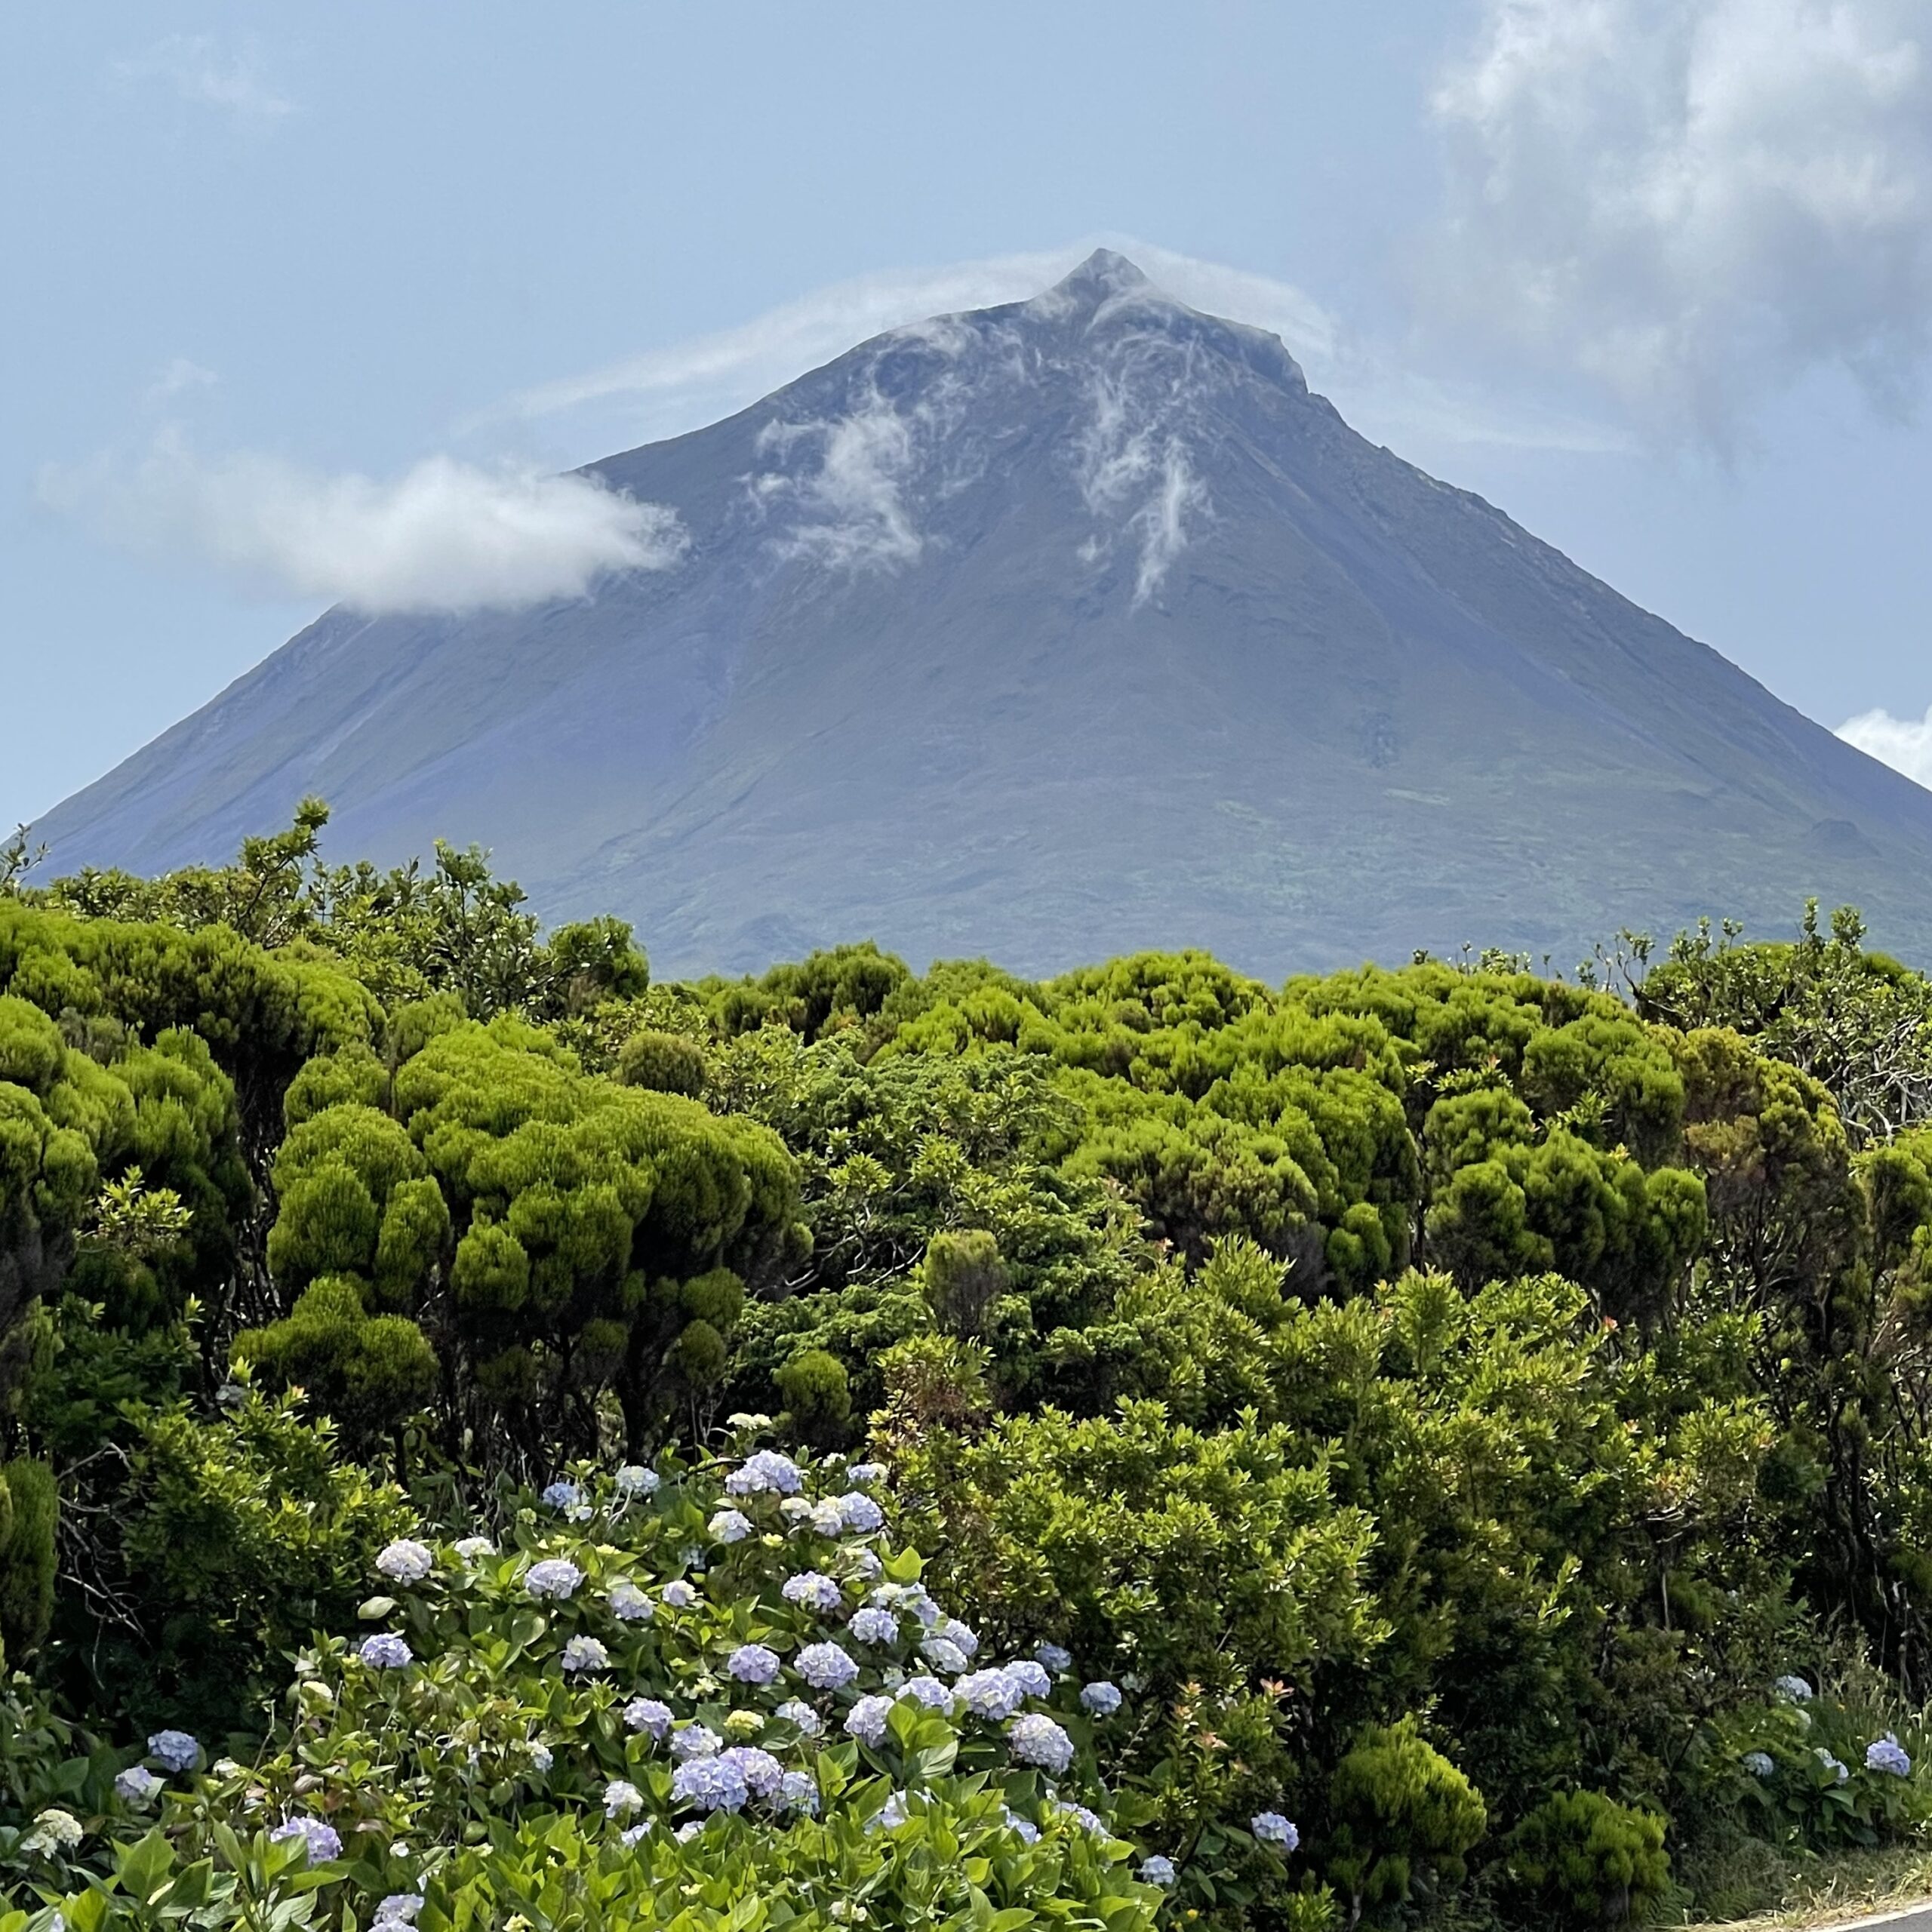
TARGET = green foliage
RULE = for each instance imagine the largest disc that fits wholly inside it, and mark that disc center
(666, 1062)
(1582, 1860)
(29, 1521)
(1403, 1819)
(240, 1537)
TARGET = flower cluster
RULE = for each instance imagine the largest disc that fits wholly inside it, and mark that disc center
(1886, 1754)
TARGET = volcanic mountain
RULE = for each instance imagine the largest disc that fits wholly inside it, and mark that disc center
(1045, 632)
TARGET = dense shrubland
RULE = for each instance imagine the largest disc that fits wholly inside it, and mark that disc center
(1483, 1417)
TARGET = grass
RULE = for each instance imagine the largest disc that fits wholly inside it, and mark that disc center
(1814, 1891)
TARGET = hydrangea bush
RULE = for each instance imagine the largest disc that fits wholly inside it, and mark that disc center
(640, 1691)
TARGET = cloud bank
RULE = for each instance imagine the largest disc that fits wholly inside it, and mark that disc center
(1695, 202)
(446, 536)
(199, 69)
(1904, 743)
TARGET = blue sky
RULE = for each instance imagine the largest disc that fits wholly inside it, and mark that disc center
(307, 303)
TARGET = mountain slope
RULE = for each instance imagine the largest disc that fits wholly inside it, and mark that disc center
(1047, 632)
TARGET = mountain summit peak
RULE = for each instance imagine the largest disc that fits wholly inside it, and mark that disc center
(1102, 275)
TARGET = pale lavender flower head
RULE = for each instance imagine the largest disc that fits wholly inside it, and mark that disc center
(695, 1740)
(765, 1473)
(555, 1576)
(629, 1605)
(562, 1495)
(1271, 1828)
(620, 1798)
(798, 1791)
(405, 1561)
(865, 1720)
(679, 1594)
(1155, 1870)
(385, 1652)
(859, 1514)
(762, 1772)
(1888, 1755)
(323, 1841)
(646, 1714)
(137, 1785)
(711, 1784)
(174, 1750)
(928, 1691)
(1053, 1656)
(1036, 1739)
(1031, 1678)
(729, 1526)
(794, 1712)
(753, 1663)
(874, 1626)
(990, 1694)
(1102, 1699)
(812, 1590)
(825, 1667)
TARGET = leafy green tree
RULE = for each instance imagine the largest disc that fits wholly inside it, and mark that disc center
(1402, 1821)
(1582, 1860)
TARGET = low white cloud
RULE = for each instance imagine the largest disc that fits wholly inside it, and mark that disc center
(1128, 451)
(853, 512)
(1695, 202)
(1904, 743)
(198, 69)
(445, 536)
(180, 375)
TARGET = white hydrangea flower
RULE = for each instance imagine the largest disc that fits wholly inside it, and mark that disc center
(405, 1561)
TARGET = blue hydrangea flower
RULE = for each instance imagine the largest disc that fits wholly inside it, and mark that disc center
(1155, 1870)
(631, 1834)
(555, 1576)
(405, 1561)
(562, 1495)
(961, 1636)
(399, 1908)
(891, 1815)
(710, 1783)
(1271, 1828)
(1836, 1766)
(1036, 1739)
(646, 1714)
(621, 1797)
(1055, 1659)
(634, 1479)
(794, 1711)
(323, 1841)
(385, 1652)
(1023, 1829)
(825, 1667)
(873, 1625)
(798, 1791)
(1101, 1698)
(1088, 1821)
(174, 1750)
(583, 1653)
(1759, 1763)
(542, 1756)
(695, 1740)
(928, 1691)
(1887, 1755)
(825, 1517)
(943, 1654)
(137, 1785)
(866, 1474)
(859, 1514)
(629, 1604)
(765, 1473)
(679, 1594)
(865, 1720)
(729, 1526)
(1793, 1690)
(992, 1694)
(762, 1772)
(753, 1663)
(1031, 1678)
(812, 1590)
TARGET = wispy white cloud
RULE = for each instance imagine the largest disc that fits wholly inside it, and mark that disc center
(180, 376)
(1128, 451)
(853, 512)
(1695, 201)
(445, 536)
(665, 391)
(199, 68)
(1904, 743)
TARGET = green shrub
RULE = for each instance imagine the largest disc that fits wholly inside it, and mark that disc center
(1581, 1860)
(1403, 1817)
(664, 1063)
(29, 1522)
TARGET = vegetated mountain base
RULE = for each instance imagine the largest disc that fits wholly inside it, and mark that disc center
(1050, 632)
(494, 1436)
